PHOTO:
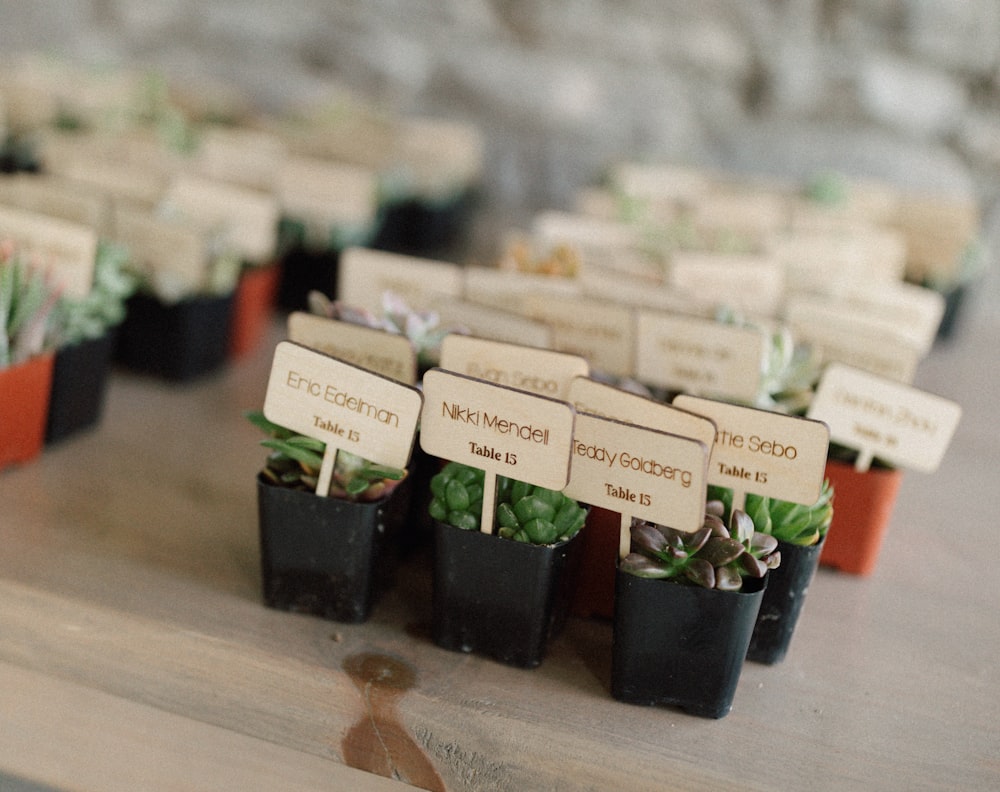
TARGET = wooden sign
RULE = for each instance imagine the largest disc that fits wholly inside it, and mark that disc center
(601, 332)
(246, 218)
(498, 429)
(385, 353)
(604, 284)
(904, 426)
(762, 452)
(65, 251)
(162, 249)
(699, 356)
(365, 275)
(327, 196)
(750, 283)
(541, 371)
(910, 311)
(492, 323)
(507, 290)
(239, 155)
(56, 197)
(640, 489)
(345, 406)
(662, 184)
(840, 336)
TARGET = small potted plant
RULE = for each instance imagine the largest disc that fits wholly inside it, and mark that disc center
(26, 302)
(801, 532)
(685, 608)
(327, 556)
(502, 595)
(84, 331)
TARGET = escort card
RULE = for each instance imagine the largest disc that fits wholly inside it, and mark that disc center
(385, 353)
(492, 323)
(364, 275)
(345, 406)
(699, 356)
(911, 311)
(904, 426)
(56, 197)
(507, 290)
(239, 155)
(326, 195)
(605, 284)
(601, 332)
(501, 430)
(753, 284)
(247, 218)
(65, 251)
(766, 453)
(158, 247)
(541, 371)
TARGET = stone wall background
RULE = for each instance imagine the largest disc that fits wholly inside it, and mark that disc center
(902, 90)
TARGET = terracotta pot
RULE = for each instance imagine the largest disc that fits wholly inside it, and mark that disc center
(253, 305)
(862, 510)
(681, 645)
(595, 588)
(25, 391)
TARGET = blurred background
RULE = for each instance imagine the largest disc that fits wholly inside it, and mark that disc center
(906, 91)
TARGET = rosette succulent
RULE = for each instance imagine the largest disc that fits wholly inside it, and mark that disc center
(715, 556)
(793, 523)
(524, 512)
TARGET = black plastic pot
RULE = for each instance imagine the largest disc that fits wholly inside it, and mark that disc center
(79, 383)
(500, 598)
(178, 341)
(423, 228)
(782, 602)
(680, 645)
(326, 556)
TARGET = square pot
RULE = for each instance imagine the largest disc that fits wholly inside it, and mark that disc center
(25, 390)
(681, 645)
(863, 507)
(253, 306)
(179, 341)
(782, 603)
(419, 227)
(500, 598)
(326, 556)
(304, 270)
(595, 589)
(79, 383)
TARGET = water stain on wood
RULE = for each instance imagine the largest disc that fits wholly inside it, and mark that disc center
(379, 743)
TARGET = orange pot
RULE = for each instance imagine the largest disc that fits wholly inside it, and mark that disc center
(253, 304)
(24, 408)
(862, 509)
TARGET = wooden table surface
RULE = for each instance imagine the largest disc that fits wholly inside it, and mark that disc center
(135, 653)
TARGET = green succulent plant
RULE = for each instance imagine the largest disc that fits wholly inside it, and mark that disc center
(294, 462)
(26, 302)
(716, 556)
(788, 522)
(524, 512)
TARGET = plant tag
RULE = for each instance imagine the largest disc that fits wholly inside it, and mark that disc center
(753, 284)
(601, 332)
(664, 184)
(902, 425)
(239, 155)
(541, 371)
(605, 284)
(156, 246)
(669, 434)
(504, 431)
(699, 356)
(608, 243)
(747, 214)
(766, 453)
(508, 290)
(345, 406)
(65, 251)
(911, 311)
(116, 178)
(492, 323)
(385, 353)
(841, 336)
(56, 197)
(246, 218)
(325, 194)
(365, 275)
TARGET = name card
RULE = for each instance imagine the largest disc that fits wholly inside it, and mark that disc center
(56, 197)
(750, 283)
(364, 275)
(699, 356)
(508, 290)
(600, 332)
(247, 218)
(766, 453)
(385, 353)
(498, 429)
(661, 183)
(845, 337)
(492, 323)
(904, 426)
(158, 247)
(242, 156)
(326, 195)
(912, 312)
(541, 371)
(605, 284)
(64, 250)
(342, 405)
